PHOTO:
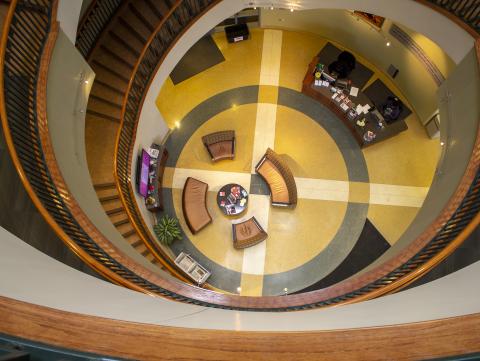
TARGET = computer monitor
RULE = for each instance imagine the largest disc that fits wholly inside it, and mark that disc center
(328, 77)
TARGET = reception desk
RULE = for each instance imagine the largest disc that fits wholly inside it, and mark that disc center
(324, 95)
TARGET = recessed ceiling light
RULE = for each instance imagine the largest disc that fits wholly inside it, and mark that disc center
(291, 10)
(239, 289)
(388, 43)
(442, 143)
(86, 81)
(177, 124)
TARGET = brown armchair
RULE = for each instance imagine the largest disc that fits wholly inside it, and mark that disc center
(194, 204)
(220, 145)
(276, 173)
(247, 233)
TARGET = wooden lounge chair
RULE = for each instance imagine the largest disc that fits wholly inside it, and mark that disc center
(280, 180)
(194, 204)
(248, 233)
(220, 145)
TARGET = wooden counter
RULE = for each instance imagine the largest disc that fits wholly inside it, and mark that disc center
(324, 95)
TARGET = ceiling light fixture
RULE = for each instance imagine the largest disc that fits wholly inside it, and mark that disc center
(388, 43)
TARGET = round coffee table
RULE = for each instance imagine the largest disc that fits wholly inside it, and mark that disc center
(232, 199)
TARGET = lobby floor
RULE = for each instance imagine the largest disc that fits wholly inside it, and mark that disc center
(353, 203)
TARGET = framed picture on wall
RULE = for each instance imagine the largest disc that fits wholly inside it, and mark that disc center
(374, 20)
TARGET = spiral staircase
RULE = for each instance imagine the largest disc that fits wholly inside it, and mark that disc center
(125, 43)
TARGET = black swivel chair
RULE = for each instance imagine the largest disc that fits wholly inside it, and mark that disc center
(343, 66)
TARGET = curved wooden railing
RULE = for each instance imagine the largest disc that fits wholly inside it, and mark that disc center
(135, 341)
(25, 50)
(94, 21)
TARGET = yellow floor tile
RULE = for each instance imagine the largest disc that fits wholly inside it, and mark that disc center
(251, 285)
(167, 180)
(268, 94)
(408, 159)
(296, 236)
(391, 221)
(240, 68)
(242, 120)
(307, 147)
(215, 240)
(298, 50)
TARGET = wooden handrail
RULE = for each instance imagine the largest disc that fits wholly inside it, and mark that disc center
(116, 338)
(99, 253)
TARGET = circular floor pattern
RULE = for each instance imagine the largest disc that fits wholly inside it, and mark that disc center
(342, 224)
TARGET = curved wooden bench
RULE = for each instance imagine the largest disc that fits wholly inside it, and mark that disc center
(220, 145)
(248, 233)
(194, 204)
(280, 180)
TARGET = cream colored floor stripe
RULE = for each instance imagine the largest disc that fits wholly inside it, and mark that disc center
(308, 188)
(388, 194)
(267, 113)
(384, 194)
(264, 131)
(259, 206)
(271, 56)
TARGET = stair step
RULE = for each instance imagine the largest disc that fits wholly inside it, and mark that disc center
(154, 9)
(137, 243)
(103, 100)
(142, 18)
(116, 57)
(104, 116)
(121, 222)
(115, 211)
(109, 87)
(129, 233)
(105, 185)
(108, 198)
(122, 42)
(132, 30)
(111, 71)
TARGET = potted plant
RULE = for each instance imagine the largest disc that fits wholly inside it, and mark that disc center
(167, 230)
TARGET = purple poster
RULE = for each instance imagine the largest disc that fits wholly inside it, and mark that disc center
(143, 187)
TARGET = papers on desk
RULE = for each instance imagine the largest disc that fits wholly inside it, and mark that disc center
(354, 91)
(362, 109)
(319, 82)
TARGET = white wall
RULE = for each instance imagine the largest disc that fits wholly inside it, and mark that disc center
(31, 276)
(68, 15)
